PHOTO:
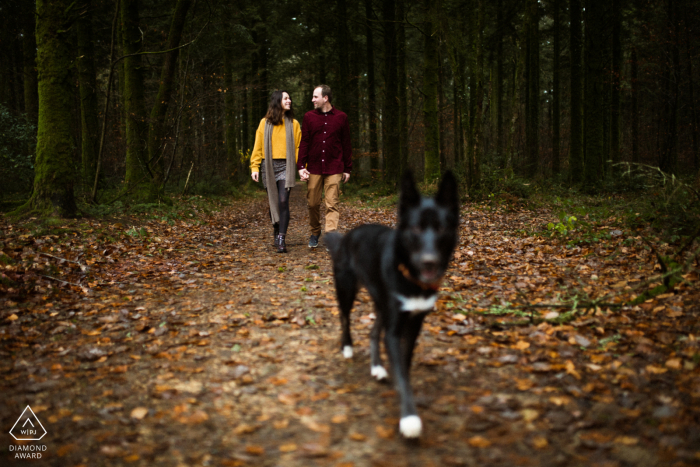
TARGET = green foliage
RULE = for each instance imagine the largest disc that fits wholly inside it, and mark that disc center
(669, 204)
(17, 146)
(564, 226)
(495, 182)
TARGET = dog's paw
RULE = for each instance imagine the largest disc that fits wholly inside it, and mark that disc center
(379, 373)
(347, 351)
(411, 426)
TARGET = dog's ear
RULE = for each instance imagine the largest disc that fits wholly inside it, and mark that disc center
(447, 194)
(409, 193)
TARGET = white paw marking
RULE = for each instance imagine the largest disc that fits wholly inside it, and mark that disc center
(379, 372)
(411, 426)
(347, 351)
(410, 304)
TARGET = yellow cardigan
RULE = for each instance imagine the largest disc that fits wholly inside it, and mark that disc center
(279, 143)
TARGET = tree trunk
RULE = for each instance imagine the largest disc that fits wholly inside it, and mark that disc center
(695, 127)
(430, 91)
(156, 130)
(634, 97)
(441, 108)
(31, 95)
(476, 140)
(133, 95)
(616, 70)
(230, 108)
(245, 120)
(390, 117)
(532, 103)
(88, 95)
(556, 123)
(498, 85)
(576, 138)
(342, 96)
(371, 92)
(402, 94)
(594, 94)
(54, 174)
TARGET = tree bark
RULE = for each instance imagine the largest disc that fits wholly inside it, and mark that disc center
(634, 97)
(156, 130)
(371, 90)
(532, 70)
(231, 130)
(615, 91)
(594, 95)
(54, 175)
(556, 122)
(390, 117)
(31, 92)
(87, 80)
(430, 84)
(133, 94)
(402, 92)
(576, 91)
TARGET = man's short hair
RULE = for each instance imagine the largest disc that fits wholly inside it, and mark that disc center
(326, 91)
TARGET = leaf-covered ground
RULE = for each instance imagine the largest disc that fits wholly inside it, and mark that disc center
(189, 341)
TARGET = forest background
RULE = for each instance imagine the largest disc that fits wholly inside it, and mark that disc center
(137, 97)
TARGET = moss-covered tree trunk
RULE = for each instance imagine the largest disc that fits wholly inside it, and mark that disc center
(55, 172)
(430, 97)
(371, 89)
(88, 95)
(576, 137)
(136, 128)
(156, 130)
(556, 123)
(31, 92)
(594, 94)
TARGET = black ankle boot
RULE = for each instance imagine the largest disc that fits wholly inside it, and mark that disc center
(281, 245)
(276, 228)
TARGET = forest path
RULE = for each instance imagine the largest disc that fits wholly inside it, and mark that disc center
(199, 345)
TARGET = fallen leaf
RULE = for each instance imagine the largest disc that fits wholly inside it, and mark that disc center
(479, 442)
(656, 370)
(139, 413)
(384, 432)
(674, 363)
(255, 450)
(289, 447)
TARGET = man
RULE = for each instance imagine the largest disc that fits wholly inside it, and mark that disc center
(325, 158)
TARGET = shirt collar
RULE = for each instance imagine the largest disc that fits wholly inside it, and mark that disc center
(324, 113)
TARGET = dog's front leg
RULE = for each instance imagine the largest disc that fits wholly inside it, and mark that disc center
(412, 328)
(376, 367)
(410, 424)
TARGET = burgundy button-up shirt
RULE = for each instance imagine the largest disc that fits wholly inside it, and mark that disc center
(325, 143)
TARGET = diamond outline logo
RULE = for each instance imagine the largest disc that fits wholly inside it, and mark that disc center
(25, 422)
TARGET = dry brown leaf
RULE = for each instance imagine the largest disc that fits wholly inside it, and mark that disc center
(479, 442)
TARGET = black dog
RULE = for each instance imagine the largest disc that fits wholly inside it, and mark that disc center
(401, 270)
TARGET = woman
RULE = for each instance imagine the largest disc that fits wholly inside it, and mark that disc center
(274, 158)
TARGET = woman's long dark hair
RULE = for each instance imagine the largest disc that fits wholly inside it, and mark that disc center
(275, 113)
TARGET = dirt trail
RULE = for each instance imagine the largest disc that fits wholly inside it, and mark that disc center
(218, 351)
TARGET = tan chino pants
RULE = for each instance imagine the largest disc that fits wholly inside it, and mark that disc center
(330, 186)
